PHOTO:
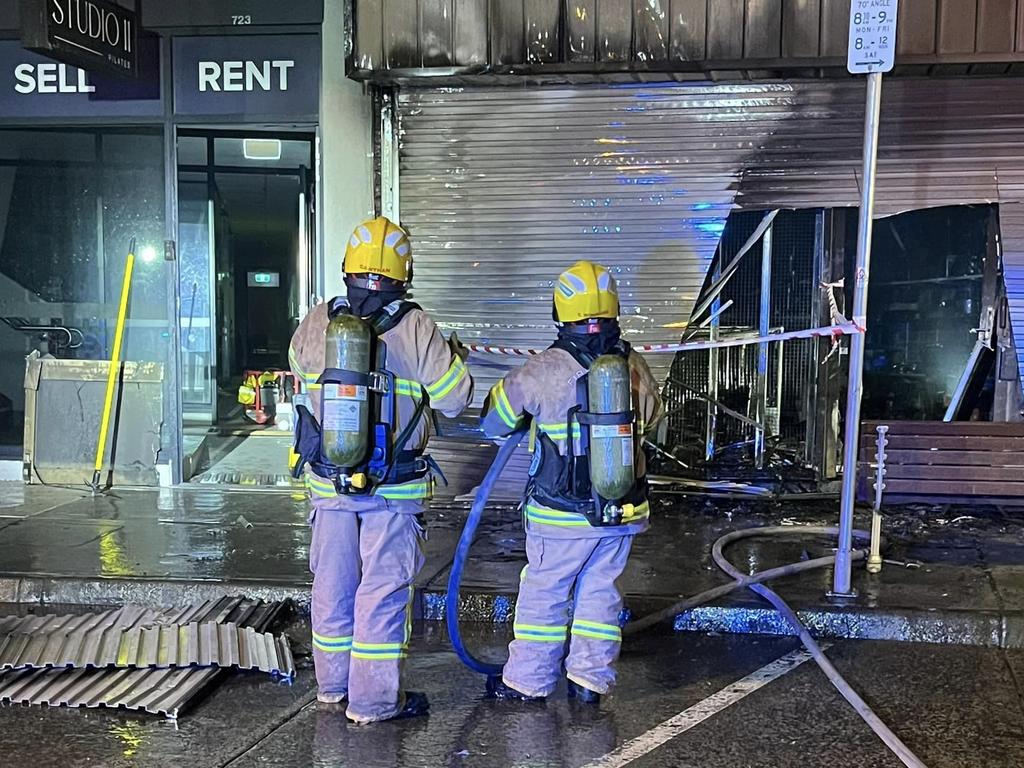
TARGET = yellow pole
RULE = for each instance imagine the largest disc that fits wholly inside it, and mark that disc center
(115, 365)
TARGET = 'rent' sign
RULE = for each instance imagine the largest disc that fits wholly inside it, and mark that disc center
(94, 35)
(255, 75)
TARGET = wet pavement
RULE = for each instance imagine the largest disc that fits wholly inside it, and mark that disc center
(192, 542)
(241, 458)
(954, 706)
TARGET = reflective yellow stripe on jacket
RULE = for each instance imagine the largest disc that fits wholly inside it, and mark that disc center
(456, 372)
(541, 515)
(503, 406)
(406, 387)
(422, 488)
(409, 388)
(308, 379)
(560, 431)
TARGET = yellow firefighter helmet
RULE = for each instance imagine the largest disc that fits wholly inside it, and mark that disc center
(585, 290)
(379, 247)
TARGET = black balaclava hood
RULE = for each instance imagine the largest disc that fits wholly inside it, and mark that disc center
(365, 303)
(594, 343)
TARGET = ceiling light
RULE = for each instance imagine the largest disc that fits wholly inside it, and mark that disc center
(261, 149)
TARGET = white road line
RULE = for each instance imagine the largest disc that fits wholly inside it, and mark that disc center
(699, 712)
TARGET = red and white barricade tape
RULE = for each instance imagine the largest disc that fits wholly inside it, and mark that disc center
(828, 331)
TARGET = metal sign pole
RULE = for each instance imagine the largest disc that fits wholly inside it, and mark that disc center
(872, 44)
(841, 582)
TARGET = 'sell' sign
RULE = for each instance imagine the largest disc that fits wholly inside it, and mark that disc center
(94, 35)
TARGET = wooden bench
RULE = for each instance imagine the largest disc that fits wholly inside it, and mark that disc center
(945, 461)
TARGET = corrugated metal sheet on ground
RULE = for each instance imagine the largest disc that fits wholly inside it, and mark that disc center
(501, 188)
(128, 616)
(157, 691)
(209, 644)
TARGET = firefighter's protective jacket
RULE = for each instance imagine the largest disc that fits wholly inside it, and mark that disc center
(424, 367)
(544, 388)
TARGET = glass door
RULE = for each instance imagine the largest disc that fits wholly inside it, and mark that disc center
(246, 242)
(197, 278)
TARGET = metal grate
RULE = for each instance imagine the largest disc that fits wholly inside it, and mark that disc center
(792, 298)
(502, 189)
(793, 290)
(503, 186)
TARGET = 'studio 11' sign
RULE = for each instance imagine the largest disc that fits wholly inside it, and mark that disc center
(94, 35)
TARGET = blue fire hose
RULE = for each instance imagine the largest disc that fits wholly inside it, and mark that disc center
(462, 554)
(740, 580)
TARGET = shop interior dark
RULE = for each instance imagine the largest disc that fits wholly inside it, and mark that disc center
(245, 226)
(242, 201)
(925, 309)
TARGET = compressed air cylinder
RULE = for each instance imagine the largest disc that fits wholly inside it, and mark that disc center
(344, 423)
(611, 445)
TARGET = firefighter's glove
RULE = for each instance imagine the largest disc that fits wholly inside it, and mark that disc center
(458, 349)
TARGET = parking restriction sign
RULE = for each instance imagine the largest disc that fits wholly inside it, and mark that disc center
(872, 36)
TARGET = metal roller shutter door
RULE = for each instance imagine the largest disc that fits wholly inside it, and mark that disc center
(503, 187)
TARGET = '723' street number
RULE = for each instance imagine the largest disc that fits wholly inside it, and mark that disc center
(241, 20)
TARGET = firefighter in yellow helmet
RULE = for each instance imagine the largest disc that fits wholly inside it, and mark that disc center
(590, 399)
(374, 365)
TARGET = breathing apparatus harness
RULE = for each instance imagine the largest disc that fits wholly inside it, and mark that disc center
(599, 481)
(360, 408)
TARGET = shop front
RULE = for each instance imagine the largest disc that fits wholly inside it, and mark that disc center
(649, 137)
(208, 162)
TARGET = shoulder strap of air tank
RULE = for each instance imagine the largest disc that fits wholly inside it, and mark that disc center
(338, 306)
(391, 315)
(585, 358)
(579, 354)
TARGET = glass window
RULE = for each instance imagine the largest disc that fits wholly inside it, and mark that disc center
(192, 150)
(48, 146)
(923, 302)
(70, 203)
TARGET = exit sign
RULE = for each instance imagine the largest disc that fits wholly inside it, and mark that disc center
(264, 279)
(872, 36)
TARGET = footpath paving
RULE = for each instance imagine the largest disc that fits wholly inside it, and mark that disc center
(170, 546)
(684, 700)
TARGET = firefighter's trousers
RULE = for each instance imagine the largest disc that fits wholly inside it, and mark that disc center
(564, 572)
(364, 556)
